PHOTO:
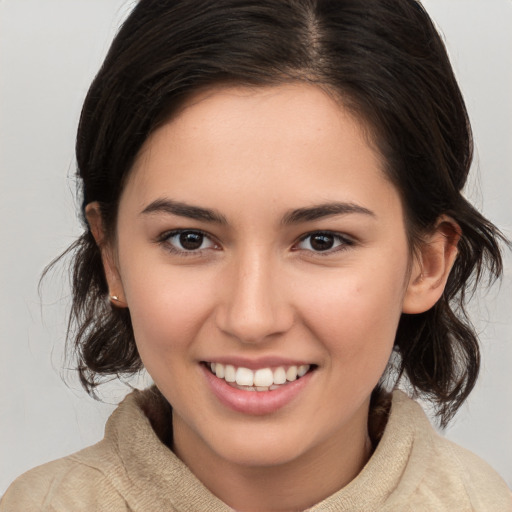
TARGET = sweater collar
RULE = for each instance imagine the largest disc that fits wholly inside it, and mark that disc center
(154, 478)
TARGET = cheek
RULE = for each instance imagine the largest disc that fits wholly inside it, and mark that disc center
(355, 313)
(168, 308)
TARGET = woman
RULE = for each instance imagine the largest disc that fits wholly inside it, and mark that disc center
(276, 232)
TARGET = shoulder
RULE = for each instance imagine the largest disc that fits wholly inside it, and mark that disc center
(444, 475)
(129, 469)
(70, 483)
(467, 473)
(90, 479)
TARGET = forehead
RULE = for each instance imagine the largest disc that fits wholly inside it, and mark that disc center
(276, 142)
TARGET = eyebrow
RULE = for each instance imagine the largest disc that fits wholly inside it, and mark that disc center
(180, 209)
(324, 210)
(307, 214)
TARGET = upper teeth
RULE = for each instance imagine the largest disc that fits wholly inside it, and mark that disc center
(263, 377)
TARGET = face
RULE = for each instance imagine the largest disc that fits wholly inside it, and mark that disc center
(258, 232)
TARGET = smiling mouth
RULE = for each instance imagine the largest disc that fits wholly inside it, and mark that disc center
(263, 379)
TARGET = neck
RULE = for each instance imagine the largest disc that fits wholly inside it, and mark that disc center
(291, 486)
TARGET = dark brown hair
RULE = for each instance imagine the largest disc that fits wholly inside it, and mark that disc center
(387, 64)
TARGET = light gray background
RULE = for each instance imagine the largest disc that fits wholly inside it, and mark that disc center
(49, 52)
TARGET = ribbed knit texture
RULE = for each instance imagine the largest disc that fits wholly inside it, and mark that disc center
(131, 469)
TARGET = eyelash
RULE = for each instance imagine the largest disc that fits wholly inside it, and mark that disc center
(164, 239)
(344, 242)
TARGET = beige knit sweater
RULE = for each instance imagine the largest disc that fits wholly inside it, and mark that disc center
(131, 469)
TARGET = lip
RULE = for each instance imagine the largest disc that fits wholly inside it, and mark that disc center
(256, 364)
(256, 403)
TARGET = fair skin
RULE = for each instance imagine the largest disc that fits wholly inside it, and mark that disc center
(267, 277)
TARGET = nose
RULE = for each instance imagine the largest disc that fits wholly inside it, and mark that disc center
(255, 306)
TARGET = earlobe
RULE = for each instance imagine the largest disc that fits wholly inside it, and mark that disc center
(115, 286)
(431, 267)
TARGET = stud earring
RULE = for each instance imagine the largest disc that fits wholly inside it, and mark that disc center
(116, 301)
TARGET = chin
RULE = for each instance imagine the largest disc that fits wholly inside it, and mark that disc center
(261, 454)
(260, 447)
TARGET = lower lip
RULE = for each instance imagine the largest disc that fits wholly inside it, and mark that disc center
(255, 403)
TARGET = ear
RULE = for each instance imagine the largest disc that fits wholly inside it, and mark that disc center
(431, 266)
(115, 285)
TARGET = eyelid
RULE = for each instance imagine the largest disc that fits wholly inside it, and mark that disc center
(345, 240)
(164, 237)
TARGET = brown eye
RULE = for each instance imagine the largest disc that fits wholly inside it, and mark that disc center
(324, 241)
(191, 240)
(184, 241)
